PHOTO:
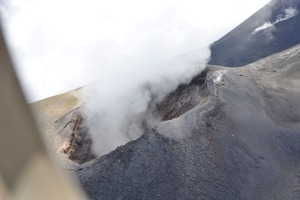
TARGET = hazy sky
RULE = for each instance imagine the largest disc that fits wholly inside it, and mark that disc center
(59, 45)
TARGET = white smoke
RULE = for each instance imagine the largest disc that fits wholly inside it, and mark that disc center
(122, 104)
(288, 14)
(263, 27)
(60, 45)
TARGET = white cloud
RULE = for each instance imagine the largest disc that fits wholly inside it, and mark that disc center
(60, 45)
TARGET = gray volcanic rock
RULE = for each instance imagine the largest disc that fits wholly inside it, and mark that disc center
(241, 142)
(243, 45)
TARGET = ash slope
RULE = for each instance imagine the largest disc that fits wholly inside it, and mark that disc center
(241, 46)
(241, 143)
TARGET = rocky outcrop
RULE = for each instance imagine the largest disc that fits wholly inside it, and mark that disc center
(241, 141)
(186, 97)
(61, 124)
(76, 140)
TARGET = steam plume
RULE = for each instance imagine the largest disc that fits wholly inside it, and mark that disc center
(121, 112)
(288, 14)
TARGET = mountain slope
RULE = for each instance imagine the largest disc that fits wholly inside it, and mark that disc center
(241, 143)
(61, 124)
(243, 45)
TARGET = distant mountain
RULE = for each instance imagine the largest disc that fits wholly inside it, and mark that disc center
(272, 29)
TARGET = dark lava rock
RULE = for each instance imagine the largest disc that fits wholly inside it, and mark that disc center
(241, 46)
(186, 97)
(243, 142)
